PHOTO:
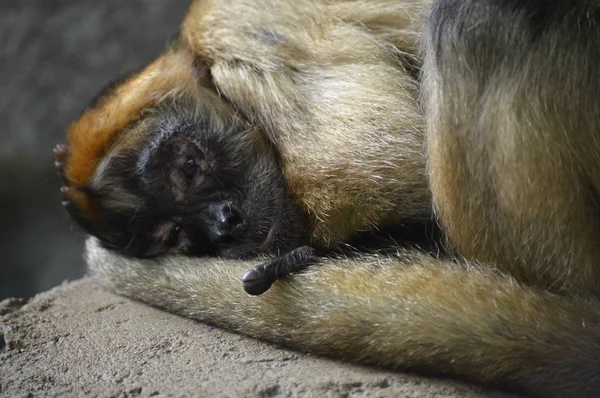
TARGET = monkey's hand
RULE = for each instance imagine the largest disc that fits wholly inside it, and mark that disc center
(260, 278)
(67, 190)
(60, 156)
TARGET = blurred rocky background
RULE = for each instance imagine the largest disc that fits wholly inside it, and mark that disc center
(55, 56)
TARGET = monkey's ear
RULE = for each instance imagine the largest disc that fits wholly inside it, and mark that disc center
(203, 74)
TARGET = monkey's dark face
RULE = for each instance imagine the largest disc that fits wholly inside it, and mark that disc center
(194, 179)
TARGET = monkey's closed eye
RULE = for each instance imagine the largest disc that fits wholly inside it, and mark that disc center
(190, 167)
(173, 237)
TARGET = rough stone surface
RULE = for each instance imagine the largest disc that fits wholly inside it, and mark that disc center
(79, 340)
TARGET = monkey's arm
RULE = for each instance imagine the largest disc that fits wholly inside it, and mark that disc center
(409, 311)
(292, 73)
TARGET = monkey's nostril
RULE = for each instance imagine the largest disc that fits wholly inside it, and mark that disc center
(225, 219)
(231, 216)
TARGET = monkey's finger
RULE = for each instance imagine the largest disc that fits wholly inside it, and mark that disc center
(60, 152)
(65, 194)
(256, 281)
(74, 212)
(260, 278)
(60, 156)
(290, 263)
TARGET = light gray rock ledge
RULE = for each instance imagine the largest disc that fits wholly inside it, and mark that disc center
(79, 340)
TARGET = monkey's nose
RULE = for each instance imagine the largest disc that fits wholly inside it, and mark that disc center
(224, 218)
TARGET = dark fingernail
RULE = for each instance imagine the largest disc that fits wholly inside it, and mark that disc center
(257, 288)
(251, 276)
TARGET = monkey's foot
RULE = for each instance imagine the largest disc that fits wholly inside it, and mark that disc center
(260, 278)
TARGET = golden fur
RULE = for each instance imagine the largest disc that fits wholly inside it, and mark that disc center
(512, 155)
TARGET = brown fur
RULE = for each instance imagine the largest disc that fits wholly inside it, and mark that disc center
(512, 157)
(515, 182)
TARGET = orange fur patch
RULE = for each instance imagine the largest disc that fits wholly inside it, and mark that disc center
(89, 137)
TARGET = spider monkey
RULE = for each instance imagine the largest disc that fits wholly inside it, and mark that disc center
(274, 128)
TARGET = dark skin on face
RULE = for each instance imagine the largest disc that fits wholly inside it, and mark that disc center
(199, 187)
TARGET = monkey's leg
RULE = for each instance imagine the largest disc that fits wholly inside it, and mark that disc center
(513, 106)
(260, 278)
(409, 311)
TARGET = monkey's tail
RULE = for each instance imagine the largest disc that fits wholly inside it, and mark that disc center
(409, 311)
